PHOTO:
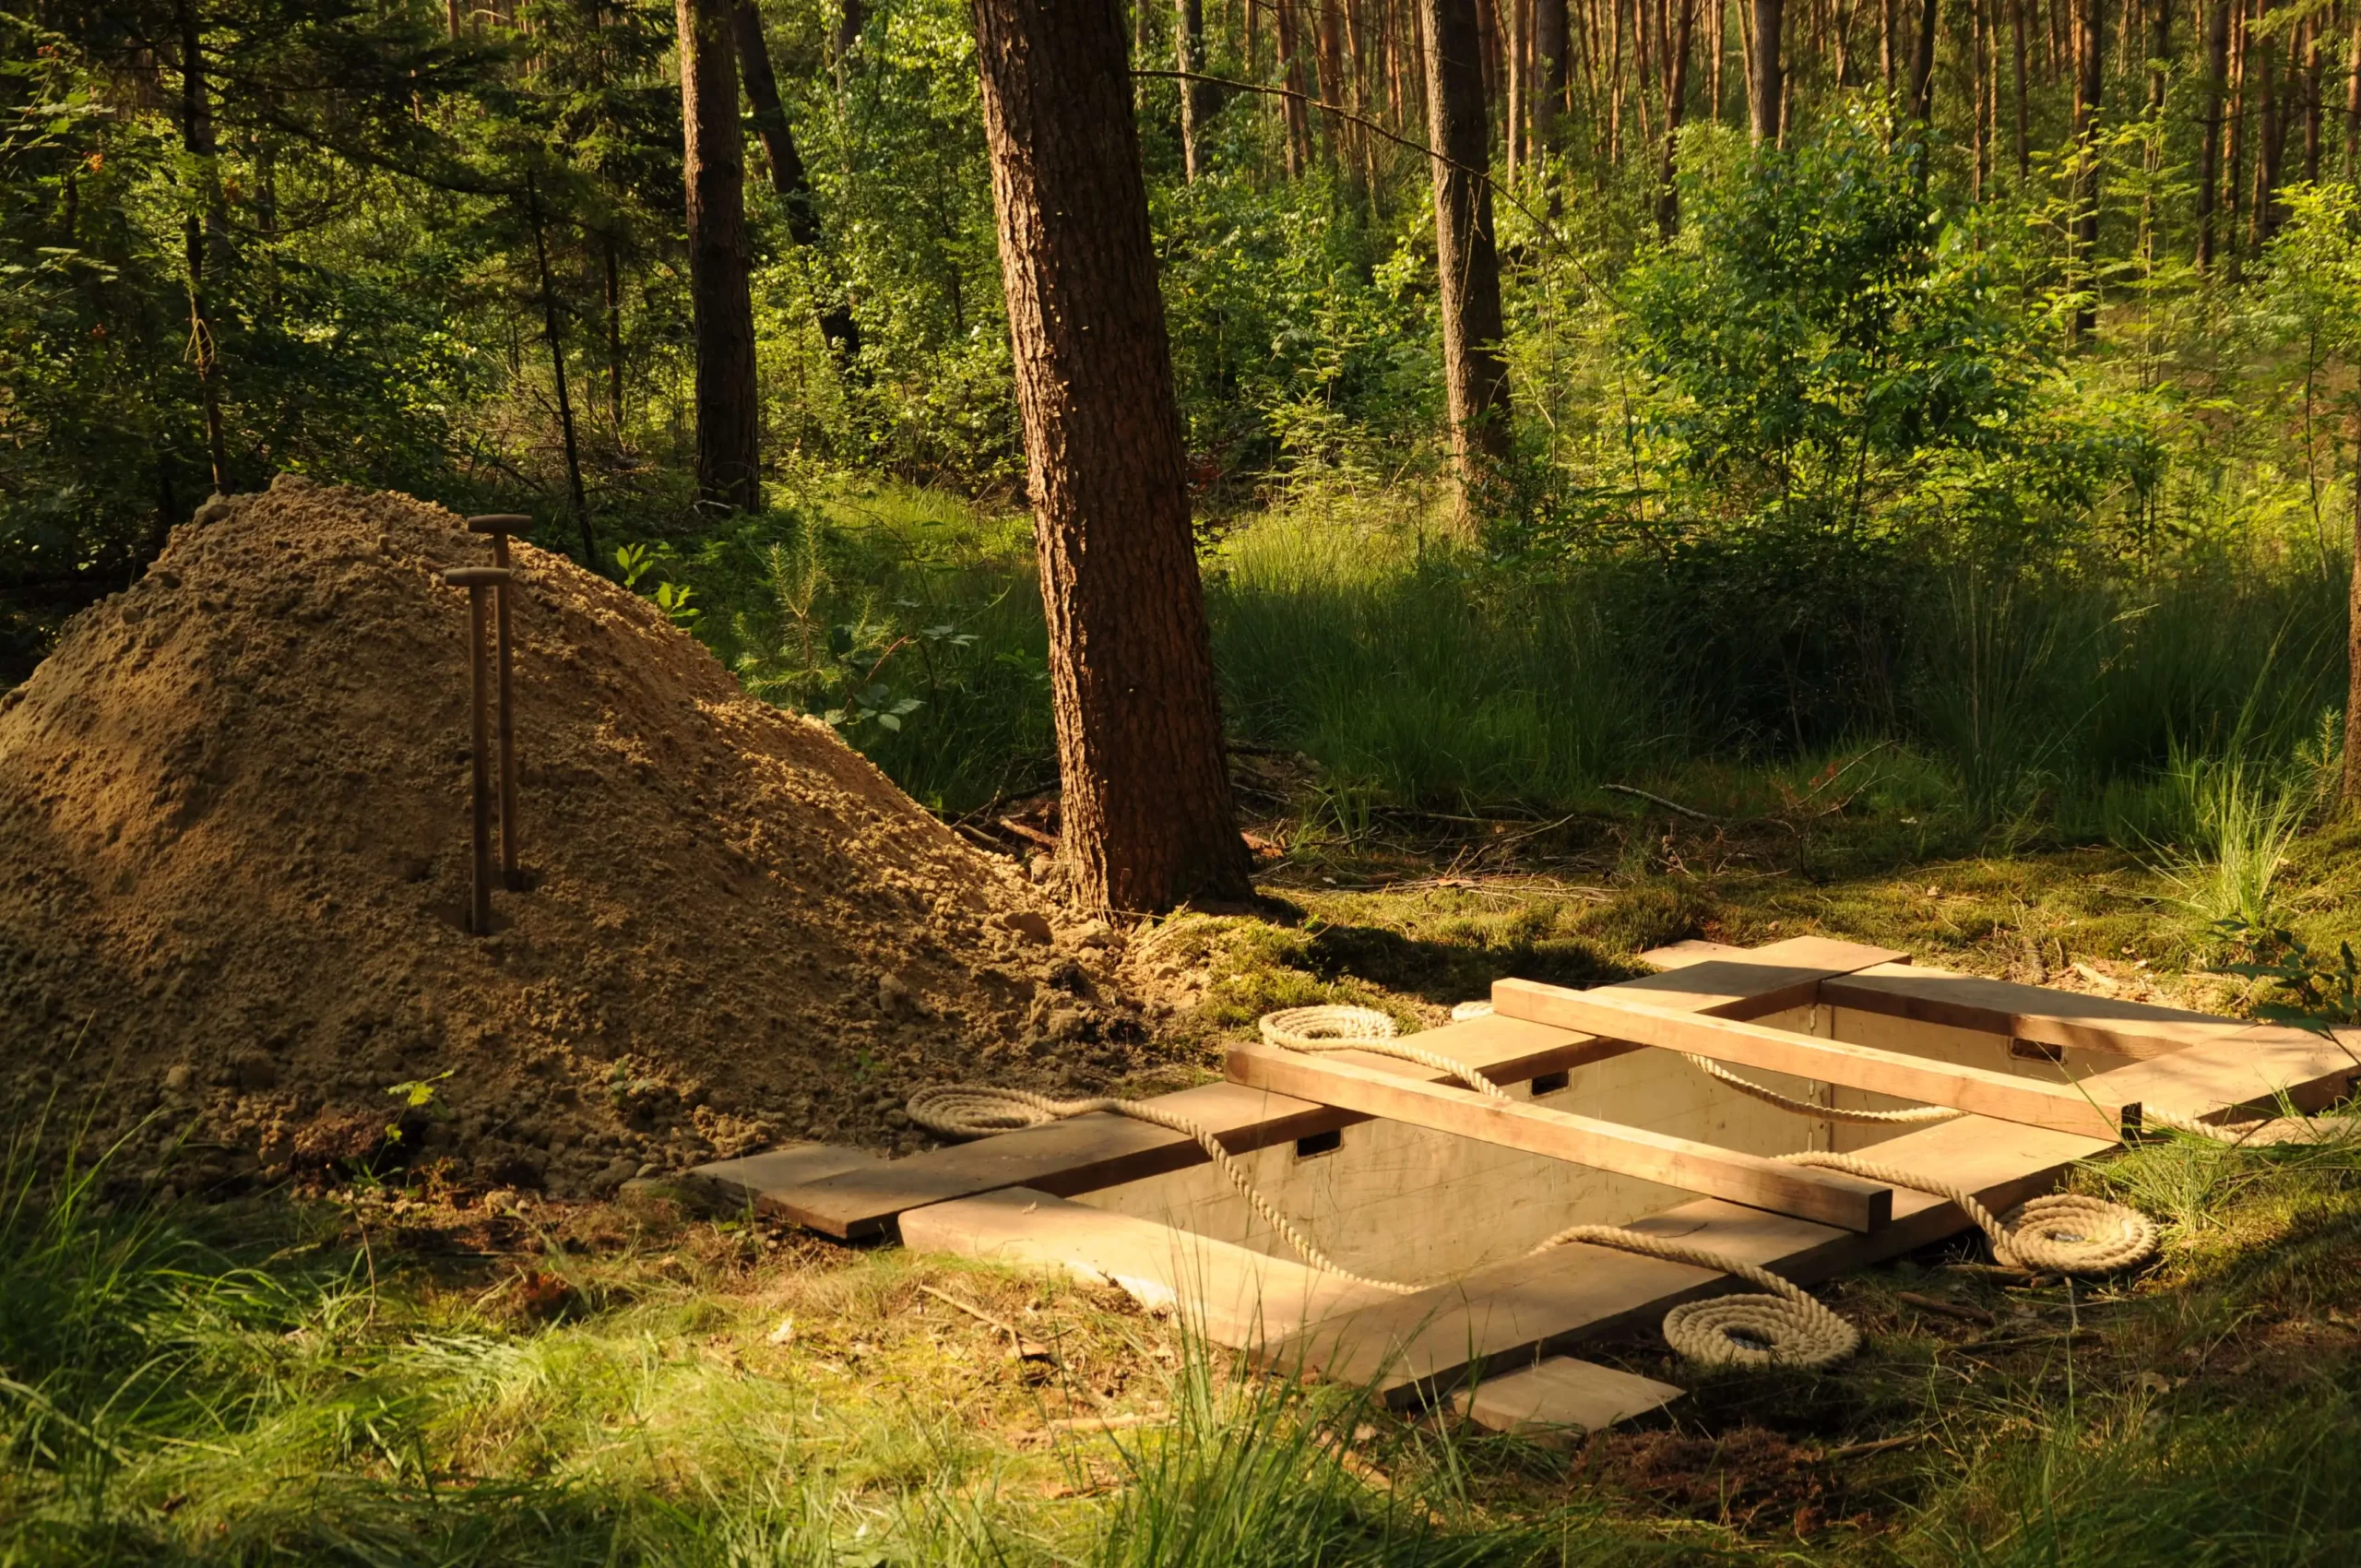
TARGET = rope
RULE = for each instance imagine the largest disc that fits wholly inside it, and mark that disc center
(2058, 1233)
(2062, 1233)
(1911, 1115)
(1784, 1327)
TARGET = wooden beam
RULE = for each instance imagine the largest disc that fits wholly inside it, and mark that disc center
(2063, 1018)
(1829, 1197)
(1087, 1152)
(2066, 1109)
(1560, 1396)
(1416, 1347)
(1512, 1311)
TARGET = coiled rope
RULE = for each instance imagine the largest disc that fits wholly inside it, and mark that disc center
(1786, 1326)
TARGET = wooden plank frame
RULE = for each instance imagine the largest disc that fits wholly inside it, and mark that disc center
(2069, 1108)
(1087, 1152)
(1831, 1197)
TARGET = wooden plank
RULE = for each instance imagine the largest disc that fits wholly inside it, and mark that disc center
(2251, 1070)
(2062, 1107)
(1422, 1344)
(1236, 1296)
(1560, 1393)
(2026, 1012)
(1085, 1153)
(1554, 1301)
(787, 1165)
(1828, 1196)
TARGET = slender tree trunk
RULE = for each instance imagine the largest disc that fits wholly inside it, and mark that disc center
(557, 373)
(2270, 135)
(1766, 113)
(2312, 99)
(1147, 818)
(614, 336)
(2017, 63)
(789, 178)
(2208, 162)
(1476, 379)
(1979, 80)
(1196, 100)
(1293, 109)
(852, 17)
(2151, 158)
(2352, 633)
(1336, 133)
(1550, 67)
(1922, 79)
(1676, 90)
(2353, 128)
(203, 233)
(2089, 83)
(1889, 46)
(714, 164)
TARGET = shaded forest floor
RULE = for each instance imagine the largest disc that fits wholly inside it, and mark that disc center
(403, 1370)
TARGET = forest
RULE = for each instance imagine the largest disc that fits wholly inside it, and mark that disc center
(1381, 512)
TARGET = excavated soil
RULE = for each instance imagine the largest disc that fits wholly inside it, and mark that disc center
(234, 859)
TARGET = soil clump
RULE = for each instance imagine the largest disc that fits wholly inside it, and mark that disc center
(233, 881)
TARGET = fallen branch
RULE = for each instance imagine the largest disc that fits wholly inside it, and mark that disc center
(1949, 1309)
(1659, 800)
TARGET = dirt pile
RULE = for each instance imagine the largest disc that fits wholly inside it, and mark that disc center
(234, 868)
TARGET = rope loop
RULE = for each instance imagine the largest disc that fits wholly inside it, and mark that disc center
(1327, 1026)
(1784, 1326)
(2072, 1233)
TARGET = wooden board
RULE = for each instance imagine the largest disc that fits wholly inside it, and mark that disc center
(1560, 1393)
(1235, 1297)
(1422, 1344)
(1558, 1300)
(2061, 1108)
(1828, 1196)
(1088, 1152)
(2026, 1012)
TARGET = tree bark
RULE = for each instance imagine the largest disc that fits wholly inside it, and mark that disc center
(1549, 37)
(2353, 103)
(1476, 379)
(2090, 81)
(2024, 141)
(789, 179)
(729, 437)
(1764, 79)
(1293, 110)
(1676, 90)
(1922, 78)
(2352, 635)
(2209, 158)
(1196, 97)
(1146, 819)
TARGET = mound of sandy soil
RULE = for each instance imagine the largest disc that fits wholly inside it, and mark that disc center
(233, 873)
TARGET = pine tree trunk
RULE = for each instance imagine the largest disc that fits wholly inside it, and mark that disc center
(1476, 379)
(2209, 159)
(789, 177)
(1766, 112)
(714, 166)
(1196, 101)
(1676, 90)
(1922, 78)
(2025, 139)
(1550, 63)
(1293, 108)
(2353, 634)
(2090, 81)
(1146, 819)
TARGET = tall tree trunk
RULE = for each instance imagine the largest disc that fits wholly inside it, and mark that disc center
(1196, 100)
(1293, 109)
(2312, 80)
(2209, 158)
(1765, 113)
(1146, 817)
(1922, 79)
(852, 15)
(2151, 158)
(1476, 379)
(2017, 63)
(1549, 62)
(2270, 135)
(2353, 127)
(789, 178)
(714, 164)
(614, 333)
(203, 234)
(1889, 46)
(2234, 155)
(2090, 81)
(1676, 90)
(2352, 631)
(557, 373)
